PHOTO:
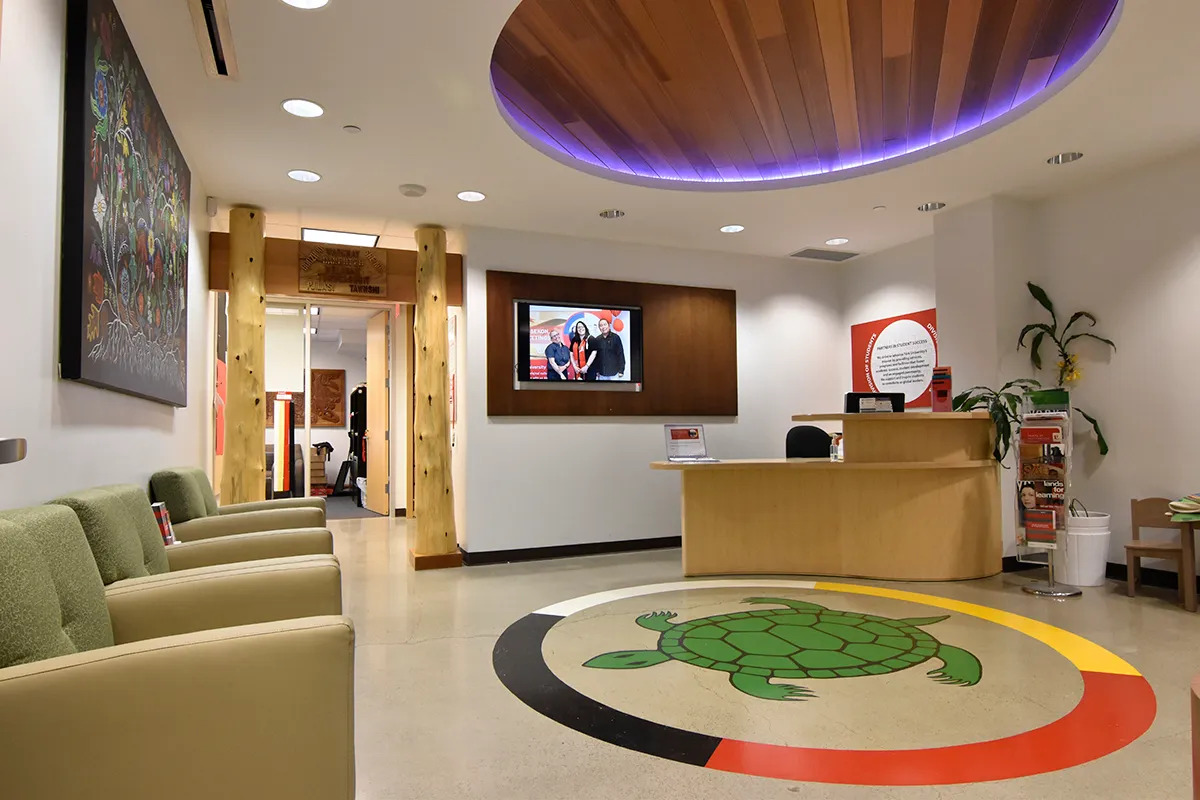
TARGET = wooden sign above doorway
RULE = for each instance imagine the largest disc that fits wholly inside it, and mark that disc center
(334, 269)
(282, 277)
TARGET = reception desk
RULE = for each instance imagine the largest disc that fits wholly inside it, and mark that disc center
(917, 498)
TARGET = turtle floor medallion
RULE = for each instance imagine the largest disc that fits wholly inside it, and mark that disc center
(815, 681)
(802, 640)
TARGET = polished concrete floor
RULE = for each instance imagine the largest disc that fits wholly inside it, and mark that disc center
(434, 721)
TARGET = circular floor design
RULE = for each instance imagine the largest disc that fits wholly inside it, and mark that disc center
(1071, 700)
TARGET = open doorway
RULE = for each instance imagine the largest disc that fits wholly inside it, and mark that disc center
(350, 359)
(333, 362)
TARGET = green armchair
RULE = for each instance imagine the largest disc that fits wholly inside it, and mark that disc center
(244, 710)
(195, 514)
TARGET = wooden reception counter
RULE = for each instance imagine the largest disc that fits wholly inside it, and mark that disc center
(917, 498)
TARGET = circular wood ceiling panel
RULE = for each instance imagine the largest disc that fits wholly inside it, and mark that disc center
(745, 91)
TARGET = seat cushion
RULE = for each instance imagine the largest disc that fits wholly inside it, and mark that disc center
(30, 615)
(179, 490)
(121, 530)
(58, 535)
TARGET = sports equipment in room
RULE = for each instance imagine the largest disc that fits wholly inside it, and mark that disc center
(802, 640)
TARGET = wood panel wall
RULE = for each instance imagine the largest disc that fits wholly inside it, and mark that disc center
(689, 348)
(283, 272)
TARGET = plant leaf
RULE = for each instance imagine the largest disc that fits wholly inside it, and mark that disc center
(1003, 435)
(965, 401)
(1099, 433)
(1028, 329)
(1108, 342)
(1078, 315)
(1035, 350)
(1040, 295)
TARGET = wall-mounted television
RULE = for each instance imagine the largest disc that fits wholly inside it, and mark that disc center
(578, 348)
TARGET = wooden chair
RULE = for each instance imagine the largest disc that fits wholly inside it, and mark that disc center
(1154, 512)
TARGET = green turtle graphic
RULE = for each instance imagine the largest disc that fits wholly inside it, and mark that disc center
(801, 640)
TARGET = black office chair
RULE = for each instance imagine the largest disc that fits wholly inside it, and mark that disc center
(807, 441)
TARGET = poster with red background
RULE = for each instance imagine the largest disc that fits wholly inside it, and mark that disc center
(896, 354)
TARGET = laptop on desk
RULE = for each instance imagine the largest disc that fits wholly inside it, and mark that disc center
(685, 444)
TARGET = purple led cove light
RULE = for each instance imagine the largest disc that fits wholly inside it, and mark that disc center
(1092, 29)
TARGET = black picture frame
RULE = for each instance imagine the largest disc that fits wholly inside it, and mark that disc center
(125, 219)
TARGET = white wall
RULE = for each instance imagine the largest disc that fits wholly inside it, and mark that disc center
(1129, 251)
(887, 284)
(79, 436)
(788, 314)
(1126, 249)
(283, 352)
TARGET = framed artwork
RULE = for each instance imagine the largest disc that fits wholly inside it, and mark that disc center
(126, 195)
(328, 401)
(329, 398)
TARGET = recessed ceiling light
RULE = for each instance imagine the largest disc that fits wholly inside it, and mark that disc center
(732, 228)
(412, 190)
(299, 107)
(472, 197)
(837, 241)
(1064, 158)
(304, 176)
(351, 129)
(935, 206)
(339, 237)
(612, 213)
(307, 4)
(316, 311)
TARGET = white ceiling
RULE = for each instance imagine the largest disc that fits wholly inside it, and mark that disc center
(414, 75)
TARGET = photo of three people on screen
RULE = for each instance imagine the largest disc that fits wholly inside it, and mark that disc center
(578, 351)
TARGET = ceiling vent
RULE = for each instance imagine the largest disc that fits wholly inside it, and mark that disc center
(817, 254)
(210, 18)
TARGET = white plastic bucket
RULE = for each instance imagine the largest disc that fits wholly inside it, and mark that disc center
(1084, 558)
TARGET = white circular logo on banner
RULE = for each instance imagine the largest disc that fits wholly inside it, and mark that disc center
(902, 359)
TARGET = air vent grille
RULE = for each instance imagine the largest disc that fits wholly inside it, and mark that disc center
(210, 18)
(817, 254)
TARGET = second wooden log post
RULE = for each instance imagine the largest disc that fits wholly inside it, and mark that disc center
(436, 542)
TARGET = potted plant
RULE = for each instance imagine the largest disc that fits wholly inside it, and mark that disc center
(1068, 362)
(1003, 406)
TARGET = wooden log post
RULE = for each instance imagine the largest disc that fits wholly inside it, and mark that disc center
(436, 542)
(245, 469)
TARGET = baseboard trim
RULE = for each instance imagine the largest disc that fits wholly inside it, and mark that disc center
(401, 512)
(482, 558)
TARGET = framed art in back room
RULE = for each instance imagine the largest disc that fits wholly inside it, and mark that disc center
(126, 195)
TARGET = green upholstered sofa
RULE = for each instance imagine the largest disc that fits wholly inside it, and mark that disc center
(108, 696)
(195, 514)
(126, 541)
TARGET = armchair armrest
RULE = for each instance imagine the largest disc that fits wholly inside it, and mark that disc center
(242, 713)
(239, 547)
(271, 505)
(249, 522)
(222, 597)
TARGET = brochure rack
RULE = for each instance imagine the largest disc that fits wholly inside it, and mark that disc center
(1043, 483)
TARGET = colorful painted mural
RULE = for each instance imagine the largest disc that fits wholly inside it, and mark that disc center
(125, 219)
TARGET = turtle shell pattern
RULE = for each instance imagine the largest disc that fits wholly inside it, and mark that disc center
(783, 643)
